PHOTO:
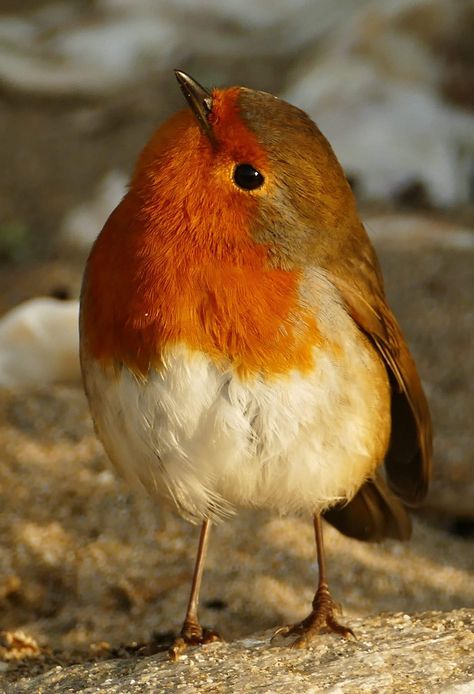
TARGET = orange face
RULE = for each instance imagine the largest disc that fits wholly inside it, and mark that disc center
(180, 174)
(177, 263)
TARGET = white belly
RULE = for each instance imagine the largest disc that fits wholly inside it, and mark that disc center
(210, 442)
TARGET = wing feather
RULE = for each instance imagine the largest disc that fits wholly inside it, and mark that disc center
(408, 459)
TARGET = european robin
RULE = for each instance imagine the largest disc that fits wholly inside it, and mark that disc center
(236, 343)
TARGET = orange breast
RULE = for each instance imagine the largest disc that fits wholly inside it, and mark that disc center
(175, 264)
(243, 312)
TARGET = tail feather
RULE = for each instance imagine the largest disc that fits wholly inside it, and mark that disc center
(372, 515)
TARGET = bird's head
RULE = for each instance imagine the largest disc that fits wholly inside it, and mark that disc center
(242, 165)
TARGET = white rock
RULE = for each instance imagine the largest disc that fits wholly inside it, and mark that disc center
(389, 134)
(63, 50)
(82, 224)
(39, 343)
(229, 29)
(119, 46)
(416, 232)
(374, 91)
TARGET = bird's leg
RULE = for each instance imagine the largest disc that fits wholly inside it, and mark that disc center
(322, 615)
(192, 633)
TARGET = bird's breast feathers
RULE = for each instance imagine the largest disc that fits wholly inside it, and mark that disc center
(209, 437)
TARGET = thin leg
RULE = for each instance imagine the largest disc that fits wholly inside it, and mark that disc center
(192, 633)
(192, 611)
(318, 536)
(324, 607)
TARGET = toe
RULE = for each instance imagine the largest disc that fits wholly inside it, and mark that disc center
(301, 642)
(341, 629)
(285, 631)
(195, 636)
(177, 648)
(209, 636)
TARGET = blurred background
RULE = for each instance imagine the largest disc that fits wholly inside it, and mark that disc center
(82, 87)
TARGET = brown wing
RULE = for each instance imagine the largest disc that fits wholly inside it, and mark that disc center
(408, 459)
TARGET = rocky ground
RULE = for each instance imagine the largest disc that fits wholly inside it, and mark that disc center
(425, 652)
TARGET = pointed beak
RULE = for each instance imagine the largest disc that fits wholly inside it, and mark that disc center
(199, 100)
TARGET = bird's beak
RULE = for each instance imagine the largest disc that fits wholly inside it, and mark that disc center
(199, 100)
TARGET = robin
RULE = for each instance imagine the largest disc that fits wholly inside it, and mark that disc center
(237, 347)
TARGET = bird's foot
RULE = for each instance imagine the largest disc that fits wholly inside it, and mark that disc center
(192, 634)
(321, 619)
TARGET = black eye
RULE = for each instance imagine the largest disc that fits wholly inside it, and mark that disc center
(247, 177)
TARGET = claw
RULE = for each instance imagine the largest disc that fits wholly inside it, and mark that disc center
(283, 631)
(177, 648)
(320, 619)
(192, 634)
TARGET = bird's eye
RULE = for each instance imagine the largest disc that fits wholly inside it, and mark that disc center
(248, 178)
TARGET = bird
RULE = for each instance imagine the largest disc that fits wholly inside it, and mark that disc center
(236, 344)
